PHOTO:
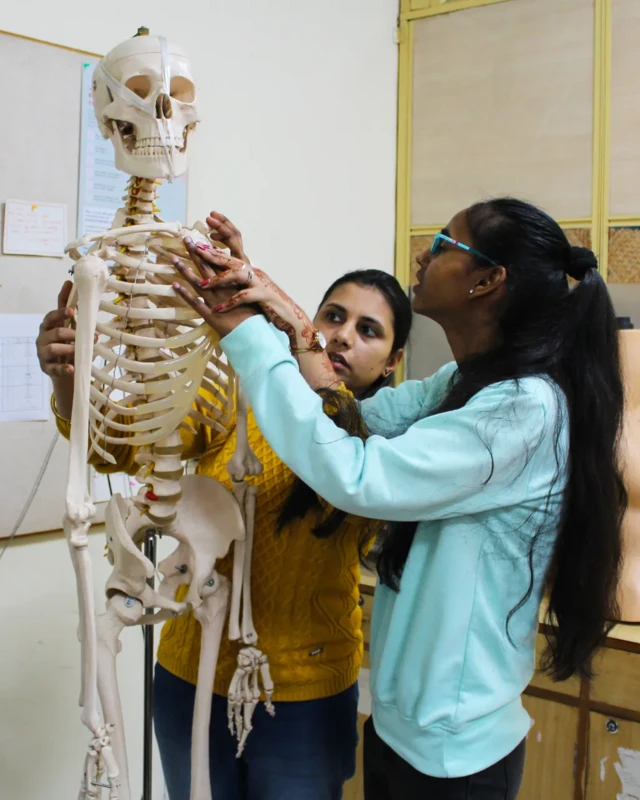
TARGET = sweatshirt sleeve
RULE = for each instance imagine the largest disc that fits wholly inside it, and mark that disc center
(466, 461)
(390, 412)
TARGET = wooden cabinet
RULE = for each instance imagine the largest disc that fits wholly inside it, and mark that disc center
(617, 680)
(585, 739)
(552, 749)
(601, 718)
(614, 758)
(571, 688)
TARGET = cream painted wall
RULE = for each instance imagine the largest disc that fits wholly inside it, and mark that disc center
(298, 107)
(297, 146)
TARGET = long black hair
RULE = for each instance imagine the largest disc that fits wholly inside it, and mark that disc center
(340, 406)
(568, 335)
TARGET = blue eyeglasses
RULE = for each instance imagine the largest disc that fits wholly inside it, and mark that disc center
(439, 242)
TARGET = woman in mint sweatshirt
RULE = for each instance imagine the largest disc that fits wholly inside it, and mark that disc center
(499, 474)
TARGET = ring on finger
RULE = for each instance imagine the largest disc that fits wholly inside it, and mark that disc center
(249, 276)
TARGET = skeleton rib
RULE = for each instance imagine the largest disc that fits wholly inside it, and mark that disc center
(182, 339)
(150, 313)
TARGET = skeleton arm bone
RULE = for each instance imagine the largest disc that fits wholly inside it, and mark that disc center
(91, 276)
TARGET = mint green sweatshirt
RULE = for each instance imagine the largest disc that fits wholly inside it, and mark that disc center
(446, 671)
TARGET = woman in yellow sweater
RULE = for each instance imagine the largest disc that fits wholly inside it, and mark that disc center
(305, 574)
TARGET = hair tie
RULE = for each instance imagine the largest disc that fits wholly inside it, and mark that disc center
(581, 261)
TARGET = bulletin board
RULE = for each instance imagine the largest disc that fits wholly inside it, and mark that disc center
(39, 161)
(40, 142)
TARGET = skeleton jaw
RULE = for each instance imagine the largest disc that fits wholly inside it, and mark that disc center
(145, 156)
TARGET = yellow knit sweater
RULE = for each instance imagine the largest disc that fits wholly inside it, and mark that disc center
(304, 589)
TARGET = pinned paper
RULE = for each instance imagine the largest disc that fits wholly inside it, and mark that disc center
(24, 388)
(34, 229)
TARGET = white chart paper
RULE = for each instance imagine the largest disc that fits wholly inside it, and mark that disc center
(24, 389)
(34, 229)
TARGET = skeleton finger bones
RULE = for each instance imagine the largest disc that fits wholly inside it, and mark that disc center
(244, 693)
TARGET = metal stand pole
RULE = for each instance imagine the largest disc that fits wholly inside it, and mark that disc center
(147, 754)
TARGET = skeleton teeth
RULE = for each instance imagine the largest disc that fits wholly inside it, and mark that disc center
(152, 146)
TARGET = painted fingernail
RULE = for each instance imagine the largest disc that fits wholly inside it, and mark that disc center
(188, 240)
(176, 285)
(203, 246)
(204, 284)
(219, 308)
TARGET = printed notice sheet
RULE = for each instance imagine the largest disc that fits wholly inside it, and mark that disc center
(34, 229)
(24, 389)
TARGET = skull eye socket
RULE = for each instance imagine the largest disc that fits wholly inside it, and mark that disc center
(140, 85)
(183, 89)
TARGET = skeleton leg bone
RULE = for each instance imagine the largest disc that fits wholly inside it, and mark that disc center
(211, 614)
(121, 611)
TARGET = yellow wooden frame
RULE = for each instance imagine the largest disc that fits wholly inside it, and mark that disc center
(568, 224)
(419, 9)
(51, 44)
(625, 221)
(601, 132)
(600, 220)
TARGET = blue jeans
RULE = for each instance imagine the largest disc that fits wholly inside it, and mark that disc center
(306, 752)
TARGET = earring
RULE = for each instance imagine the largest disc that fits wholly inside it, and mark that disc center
(386, 372)
(470, 291)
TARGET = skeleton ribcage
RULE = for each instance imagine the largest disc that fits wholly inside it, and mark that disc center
(156, 360)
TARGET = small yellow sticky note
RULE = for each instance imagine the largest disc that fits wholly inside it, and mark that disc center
(33, 208)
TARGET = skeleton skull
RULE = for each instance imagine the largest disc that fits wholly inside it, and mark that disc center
(137, 136)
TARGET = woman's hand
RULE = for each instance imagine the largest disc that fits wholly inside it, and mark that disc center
(205, 301)
(55, 344)
(247, 285)
(226, 233)
(237, 288)
(56, 349)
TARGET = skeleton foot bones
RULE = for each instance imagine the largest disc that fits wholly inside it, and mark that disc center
(156, 368)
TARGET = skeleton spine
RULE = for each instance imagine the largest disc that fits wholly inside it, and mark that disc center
(161, 465)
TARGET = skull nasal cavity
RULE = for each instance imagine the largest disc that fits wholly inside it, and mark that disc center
(163, 107)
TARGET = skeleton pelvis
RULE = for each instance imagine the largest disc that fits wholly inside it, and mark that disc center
(208, 519)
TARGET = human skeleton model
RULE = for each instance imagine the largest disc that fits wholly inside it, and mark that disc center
(155, 363)
(629, 591)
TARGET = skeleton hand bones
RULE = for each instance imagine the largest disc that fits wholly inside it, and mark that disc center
(244, 693)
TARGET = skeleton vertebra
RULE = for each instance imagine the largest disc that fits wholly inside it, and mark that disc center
(161, 364)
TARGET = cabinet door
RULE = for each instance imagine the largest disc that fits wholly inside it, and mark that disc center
(617, 679)
(552, 744)
(614, 759)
